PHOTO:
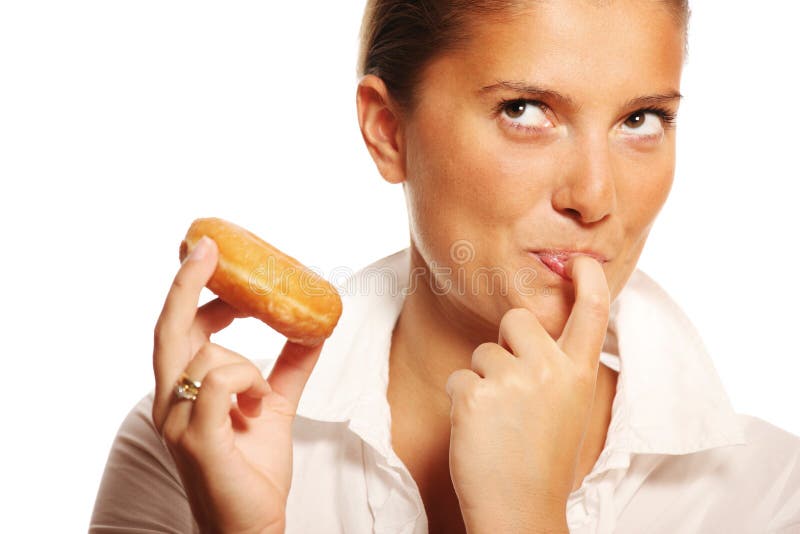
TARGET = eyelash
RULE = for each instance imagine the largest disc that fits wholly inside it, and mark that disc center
(667, 117)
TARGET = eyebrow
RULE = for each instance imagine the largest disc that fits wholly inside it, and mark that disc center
(543, 92)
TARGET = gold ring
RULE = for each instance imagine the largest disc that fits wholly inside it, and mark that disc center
(186, 388)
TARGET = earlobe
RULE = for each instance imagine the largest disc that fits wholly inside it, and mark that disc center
(379, 120)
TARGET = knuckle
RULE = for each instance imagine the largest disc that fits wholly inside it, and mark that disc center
(584, 376)
(160, 331)
(254, 371)
(543, 374)
(490, 348)
(485, 348)
(455, 383)
(576, 375)
(512, 381)
(185, 444)
(205, 356)
(170, 433)
(483, 353)
(166, 327)
(472, 395)
(205, 351)
(478, 352)
(215, 379)
(462, 384)
(597, 303)
(453, 380)
(180, 282)
(211, 354)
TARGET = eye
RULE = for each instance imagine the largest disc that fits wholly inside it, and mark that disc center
(649, 122)
(524, 114)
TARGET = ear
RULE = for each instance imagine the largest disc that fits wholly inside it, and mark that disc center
(381, 127)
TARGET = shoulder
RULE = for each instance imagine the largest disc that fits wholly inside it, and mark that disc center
(763, 436)
(140, 488)
(138, 442)
(764, 471)
(137, 430)
(773, 455)
(750, 486)
(768, 455)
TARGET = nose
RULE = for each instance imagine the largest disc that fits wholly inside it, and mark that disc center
(587, 192)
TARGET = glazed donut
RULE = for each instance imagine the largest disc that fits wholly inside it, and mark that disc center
(260, 280)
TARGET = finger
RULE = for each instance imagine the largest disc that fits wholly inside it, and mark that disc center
(209, 356)
(523, 335)
(212, 317)
(171, 350)
(249, 406)
(459, 382)
(213, 355)
(211, 410)
(292, 369)
(585, 330)
(490, 359)
(175, 424)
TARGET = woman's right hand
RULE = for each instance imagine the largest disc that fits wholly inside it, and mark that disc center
(235, 459)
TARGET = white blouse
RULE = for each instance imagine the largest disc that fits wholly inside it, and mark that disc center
(677, 458)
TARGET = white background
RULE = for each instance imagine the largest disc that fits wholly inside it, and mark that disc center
(122, 122)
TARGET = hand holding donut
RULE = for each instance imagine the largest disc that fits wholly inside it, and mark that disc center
(235, 459)
(519, 416)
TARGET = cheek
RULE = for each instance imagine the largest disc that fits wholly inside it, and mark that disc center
(643, 190)
(447, 180)
(463, 175)
(641, 193)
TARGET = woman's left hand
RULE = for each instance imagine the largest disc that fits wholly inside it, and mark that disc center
(519, 416)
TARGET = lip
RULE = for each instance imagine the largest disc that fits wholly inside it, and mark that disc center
(555, 259)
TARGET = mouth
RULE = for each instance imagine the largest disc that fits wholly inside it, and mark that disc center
(555, 260)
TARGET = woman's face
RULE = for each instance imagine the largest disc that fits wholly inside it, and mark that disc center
(487, 182)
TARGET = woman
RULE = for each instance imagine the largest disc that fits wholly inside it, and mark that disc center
(463, 388)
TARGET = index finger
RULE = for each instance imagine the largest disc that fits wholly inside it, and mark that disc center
(171, 344)
(585, 331)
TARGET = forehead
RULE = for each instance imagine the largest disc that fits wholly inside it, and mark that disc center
(583, 48)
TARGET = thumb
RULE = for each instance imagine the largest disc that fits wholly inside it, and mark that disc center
(291, 371)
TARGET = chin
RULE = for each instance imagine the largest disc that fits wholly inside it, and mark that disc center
(550, 304)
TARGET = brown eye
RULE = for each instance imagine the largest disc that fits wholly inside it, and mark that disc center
(524, 114)
(645, 123)
(515, 109)
(635, 120)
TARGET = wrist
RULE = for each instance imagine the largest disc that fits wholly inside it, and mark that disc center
(549, 518)
(549, 526)
(277, 527)
(519, 527)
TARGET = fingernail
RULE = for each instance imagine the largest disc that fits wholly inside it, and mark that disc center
(200, 249)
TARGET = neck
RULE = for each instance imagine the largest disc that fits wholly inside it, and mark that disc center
(432, 338)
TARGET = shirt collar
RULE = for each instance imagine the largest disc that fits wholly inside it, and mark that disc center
(669, 398)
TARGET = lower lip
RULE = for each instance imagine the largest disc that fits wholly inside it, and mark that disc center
(553, 264)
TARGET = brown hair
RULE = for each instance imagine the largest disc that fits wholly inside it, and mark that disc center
(398, 39)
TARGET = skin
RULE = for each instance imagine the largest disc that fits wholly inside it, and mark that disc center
(499, 406)
(234, 460)
(592, 176)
